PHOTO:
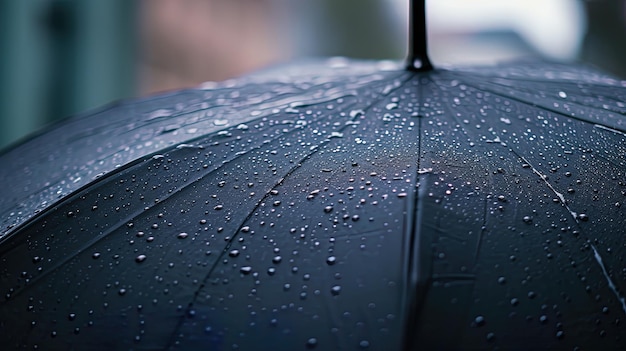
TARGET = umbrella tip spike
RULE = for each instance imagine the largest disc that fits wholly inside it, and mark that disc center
(417, 58)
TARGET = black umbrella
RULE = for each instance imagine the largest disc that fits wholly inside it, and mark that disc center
(327, 205)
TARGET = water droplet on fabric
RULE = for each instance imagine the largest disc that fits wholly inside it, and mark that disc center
(311, 343)
(391, 106)
(479, 320)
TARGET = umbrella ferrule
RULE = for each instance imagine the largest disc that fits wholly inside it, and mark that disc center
(417, 58)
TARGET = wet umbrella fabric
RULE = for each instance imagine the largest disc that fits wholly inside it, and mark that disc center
(348, 205)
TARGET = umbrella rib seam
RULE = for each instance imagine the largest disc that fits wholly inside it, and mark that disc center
(417, 275)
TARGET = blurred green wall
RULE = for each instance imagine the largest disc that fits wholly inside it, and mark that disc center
(61, 57)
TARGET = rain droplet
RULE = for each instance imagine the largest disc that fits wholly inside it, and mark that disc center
(245, 269)
(182, 235)
(328, 209)
(311, 343)
(331, 260)
(335, 290)
(140, 258)
(356, 113)
(233, 253)
(479, 320)
(391, 106)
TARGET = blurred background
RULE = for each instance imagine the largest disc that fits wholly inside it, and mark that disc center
(62, 57)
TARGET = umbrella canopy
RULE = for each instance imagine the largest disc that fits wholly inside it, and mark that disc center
(326, 205)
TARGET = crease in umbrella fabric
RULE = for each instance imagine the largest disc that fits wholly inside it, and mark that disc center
(348, 205)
